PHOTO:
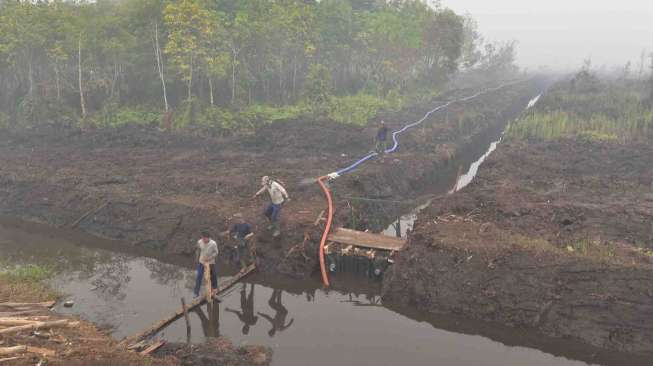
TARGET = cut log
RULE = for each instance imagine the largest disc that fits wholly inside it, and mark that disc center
(19, 313)
(45, 304)
(6, 351)
(39, 325)
(207, 283)
(17, 322)
(153, 347)
(156, 327)
(41, 351)
(3, 360)
(136, 346)
(26, 317)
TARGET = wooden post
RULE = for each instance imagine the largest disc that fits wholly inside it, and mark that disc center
(207, 281)
(185, 309)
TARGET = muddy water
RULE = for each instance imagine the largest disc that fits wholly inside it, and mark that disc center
(302, 323)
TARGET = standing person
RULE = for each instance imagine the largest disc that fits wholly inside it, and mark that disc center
(278, 196)
(381, 138)
(206, 252)
(242, 232)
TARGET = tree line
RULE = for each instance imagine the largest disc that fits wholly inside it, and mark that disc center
(84, 59)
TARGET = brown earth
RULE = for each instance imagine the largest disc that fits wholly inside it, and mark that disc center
(86, 345)
(82, 345)
(151, 189)
(555, 236)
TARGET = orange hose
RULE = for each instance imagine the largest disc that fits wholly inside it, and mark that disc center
(327, 193)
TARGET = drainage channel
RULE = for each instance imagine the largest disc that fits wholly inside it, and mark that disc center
(405, 223)
(300, 321)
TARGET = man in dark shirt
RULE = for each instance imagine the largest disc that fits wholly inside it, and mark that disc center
(381, 138)
(242, 232)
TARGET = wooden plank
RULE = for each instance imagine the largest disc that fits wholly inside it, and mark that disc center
(45, 304)
(3, 360)
(153, 347)
(367, 240)
(156, 327)
(89, 213)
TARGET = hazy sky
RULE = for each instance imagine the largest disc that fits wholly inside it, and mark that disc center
(562, 33)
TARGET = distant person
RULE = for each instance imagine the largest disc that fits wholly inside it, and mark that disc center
(278, 196)
(206, 252)
(381, 138)
(246, 315)
(242, 233)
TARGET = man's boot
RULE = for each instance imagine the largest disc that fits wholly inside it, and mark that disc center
(276, 226)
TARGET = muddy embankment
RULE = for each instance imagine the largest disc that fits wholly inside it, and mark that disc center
(555, 236)
(149, 189)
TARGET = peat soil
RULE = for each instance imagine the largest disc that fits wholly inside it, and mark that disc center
(555, 236)
(156, 190)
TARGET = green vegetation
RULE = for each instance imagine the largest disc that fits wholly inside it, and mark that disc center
(589, 109)
(229, 65)
(25, 283)
(28, 273)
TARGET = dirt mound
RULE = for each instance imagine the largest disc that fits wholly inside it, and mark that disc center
(554, 236)
(216, 351)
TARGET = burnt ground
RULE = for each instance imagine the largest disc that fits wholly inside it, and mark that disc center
(146, 188)
(555, 236)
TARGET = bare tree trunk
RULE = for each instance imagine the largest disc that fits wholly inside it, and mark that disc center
(31, 78)
(294, 77)
(190, 79)
(114, 80)
(211, 90)
(79, 70)
(159, 64)
(281, 80)
(234, 55)
(57, 82)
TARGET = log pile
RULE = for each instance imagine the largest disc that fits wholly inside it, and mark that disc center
(19, 320)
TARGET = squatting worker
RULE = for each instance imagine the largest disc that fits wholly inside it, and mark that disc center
(241, 231)
(381, 138)
(278, 196)
(206, 253)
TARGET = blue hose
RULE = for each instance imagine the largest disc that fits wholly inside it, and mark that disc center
(411, 125)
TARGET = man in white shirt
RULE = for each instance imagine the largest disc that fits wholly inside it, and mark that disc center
(278, 196)
(206, 253)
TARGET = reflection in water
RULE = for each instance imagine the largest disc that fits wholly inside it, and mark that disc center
(279, 320)
(110, 278)
(210, 324)
(370, 300)
(246, 315)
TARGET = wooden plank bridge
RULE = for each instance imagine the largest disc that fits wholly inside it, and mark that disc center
(156, 327)
(367, 240)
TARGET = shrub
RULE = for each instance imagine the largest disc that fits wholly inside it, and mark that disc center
(359, 109)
